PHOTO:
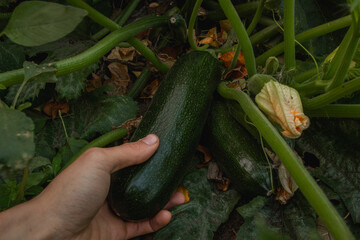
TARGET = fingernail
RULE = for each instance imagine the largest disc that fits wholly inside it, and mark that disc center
(150, 139)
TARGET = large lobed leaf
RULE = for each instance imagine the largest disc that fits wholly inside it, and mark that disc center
(34, 23)
(295, 220)
(40, 74)
(17, 138)
(70, 86)
(199, 218)
(335, 143)
(92, 114)
(11, 57)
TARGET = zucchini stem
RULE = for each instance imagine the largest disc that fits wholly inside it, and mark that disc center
(191, 27)
(256, 17)
(312, 192)
(307, 35)
(92, 54)
(120, 20)
(243, 38)
(346, 56)
(140, 83)
(289, 34)
(23, 185)
(111, 25)
(332, 95)
(335, 111)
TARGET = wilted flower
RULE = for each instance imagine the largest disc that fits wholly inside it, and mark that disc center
(282, 104)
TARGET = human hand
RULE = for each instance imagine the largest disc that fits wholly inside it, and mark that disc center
(74, 206)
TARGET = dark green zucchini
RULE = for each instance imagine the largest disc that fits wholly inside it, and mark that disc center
(237, 152)
(177, 116)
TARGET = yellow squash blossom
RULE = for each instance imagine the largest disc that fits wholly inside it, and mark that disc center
(282, 104)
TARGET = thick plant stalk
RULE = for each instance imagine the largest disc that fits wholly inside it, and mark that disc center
(264, 34)
(345, 62)
(289, 34)
(336, 111)
(92, 54)
(241, 34)
(332, 95)
(108, 23)
(120, 20)
(191, 27)
(307, 35)
(256, 17)
(303, 179)
(139, 83)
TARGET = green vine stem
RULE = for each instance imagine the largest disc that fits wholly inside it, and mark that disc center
(302, 77)
(339, 55)
(307, 35)
(191, 27)
(310, 88)
(235, 58)
(334, 94)
(94, 53)
(313, 193)
(23, 185)
(346, 60)
(335, 111)
(289, 34)
(140, 83)
(136, 43)
(256, 17)
(264, 34)
(101, 141)
(94, 14)
(120, 20)
(241, 34)
(244, 10)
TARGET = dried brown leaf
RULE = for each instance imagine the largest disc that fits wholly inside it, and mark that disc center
(130, 125)
(120, 78)
(150, 89)
(52, 108)
(94, 83)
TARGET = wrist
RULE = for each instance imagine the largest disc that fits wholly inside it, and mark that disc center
(28, 220)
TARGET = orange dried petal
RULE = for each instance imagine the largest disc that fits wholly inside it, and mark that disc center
(182, 189)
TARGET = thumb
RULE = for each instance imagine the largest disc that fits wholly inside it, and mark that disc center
(130, 153)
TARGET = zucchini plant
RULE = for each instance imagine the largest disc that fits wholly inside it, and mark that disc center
(58, 64)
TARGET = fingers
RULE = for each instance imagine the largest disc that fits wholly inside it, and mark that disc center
(130, 153)
(140, 228)
(176, 199)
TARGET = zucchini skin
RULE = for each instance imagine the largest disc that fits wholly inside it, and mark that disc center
(177, 115)
(237, 152)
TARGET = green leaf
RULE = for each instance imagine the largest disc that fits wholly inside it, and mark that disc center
(11, 57)
(37, 162)
(40, 74)
(56, 164)
(29, 92)
(35, 23)
(63, 48)
(17, 139)
(8, 192)
(199, 218)
(100, 112)
(296, 219)
(335, 144)
(5, 3)
(92, 114)
(71, 85)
